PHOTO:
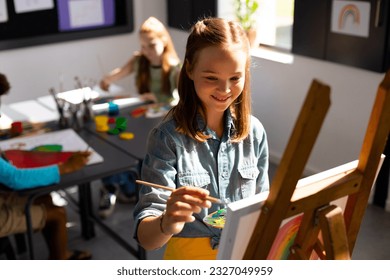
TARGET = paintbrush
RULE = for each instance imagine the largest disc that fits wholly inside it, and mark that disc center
(157, 186)
(63, 122)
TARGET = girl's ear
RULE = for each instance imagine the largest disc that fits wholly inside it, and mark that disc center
(188, 69)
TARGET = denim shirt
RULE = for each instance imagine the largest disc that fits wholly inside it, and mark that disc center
(227, 170)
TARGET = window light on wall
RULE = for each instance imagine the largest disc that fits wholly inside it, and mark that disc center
(274, 21)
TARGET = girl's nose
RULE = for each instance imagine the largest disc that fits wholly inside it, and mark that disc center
(224, 86)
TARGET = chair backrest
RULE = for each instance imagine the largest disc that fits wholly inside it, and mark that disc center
(6, 248)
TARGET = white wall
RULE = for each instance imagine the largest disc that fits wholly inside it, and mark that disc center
(278, 89)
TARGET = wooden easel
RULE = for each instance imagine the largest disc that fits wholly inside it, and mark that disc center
(325, 229)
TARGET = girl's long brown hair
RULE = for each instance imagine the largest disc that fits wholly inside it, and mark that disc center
(157, 29)
(205, 33)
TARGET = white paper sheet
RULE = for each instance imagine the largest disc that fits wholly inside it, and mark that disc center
(25, 6)
(48, 101)
(3, 11)
(30, 110)
(86, 13)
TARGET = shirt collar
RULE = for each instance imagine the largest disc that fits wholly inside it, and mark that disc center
(229, 125)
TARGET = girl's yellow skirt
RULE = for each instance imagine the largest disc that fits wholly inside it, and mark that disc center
(179, 248)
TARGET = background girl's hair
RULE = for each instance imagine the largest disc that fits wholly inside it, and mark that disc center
(4, 84)
(205, 33)
(157, 29)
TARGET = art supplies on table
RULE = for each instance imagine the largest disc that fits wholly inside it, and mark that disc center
(138, 112)
(120, 126)
(68, 139)
(126, 135)
(157, 111)
(216, 219)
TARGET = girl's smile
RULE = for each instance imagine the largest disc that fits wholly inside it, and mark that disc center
(222, 99)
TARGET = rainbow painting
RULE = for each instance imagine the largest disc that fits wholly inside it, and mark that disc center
(351, 18)
(285, 239)
(347, 11)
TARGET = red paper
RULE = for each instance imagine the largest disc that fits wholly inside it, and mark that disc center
(28, 159)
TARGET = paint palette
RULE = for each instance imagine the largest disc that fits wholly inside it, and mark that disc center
(216, 219)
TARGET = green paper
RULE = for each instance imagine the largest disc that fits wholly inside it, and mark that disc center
(48, 148)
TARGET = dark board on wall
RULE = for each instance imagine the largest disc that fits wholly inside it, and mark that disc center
(22, 24)
(313, 35)
(182, 14)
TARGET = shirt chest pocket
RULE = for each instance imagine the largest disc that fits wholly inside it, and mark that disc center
(194, 178)
(248, 178)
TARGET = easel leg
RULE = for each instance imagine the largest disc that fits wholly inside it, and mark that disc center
(306, 238)
(334, 233)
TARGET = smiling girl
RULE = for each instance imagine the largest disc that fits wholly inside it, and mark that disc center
(209, 144)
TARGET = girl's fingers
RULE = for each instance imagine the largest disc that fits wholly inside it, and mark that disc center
(179, 206)
(182, 204)
(193, 190)
(199, 193)
(189, 202)
(180, 217)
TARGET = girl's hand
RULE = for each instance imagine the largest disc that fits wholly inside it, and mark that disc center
(104, 84)
(181, 205)
(75, 162)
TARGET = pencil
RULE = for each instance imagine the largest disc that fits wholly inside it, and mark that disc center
(157, 186)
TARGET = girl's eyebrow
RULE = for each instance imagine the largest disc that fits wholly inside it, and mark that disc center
(213, 72)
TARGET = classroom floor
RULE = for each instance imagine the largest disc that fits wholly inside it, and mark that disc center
(372, 243)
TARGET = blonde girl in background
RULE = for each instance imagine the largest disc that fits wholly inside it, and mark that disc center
(156, 65)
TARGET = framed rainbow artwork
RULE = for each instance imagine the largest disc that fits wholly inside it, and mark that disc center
(351, 18)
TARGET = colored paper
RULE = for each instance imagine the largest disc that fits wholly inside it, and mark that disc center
(29, 159)
(67, 138)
